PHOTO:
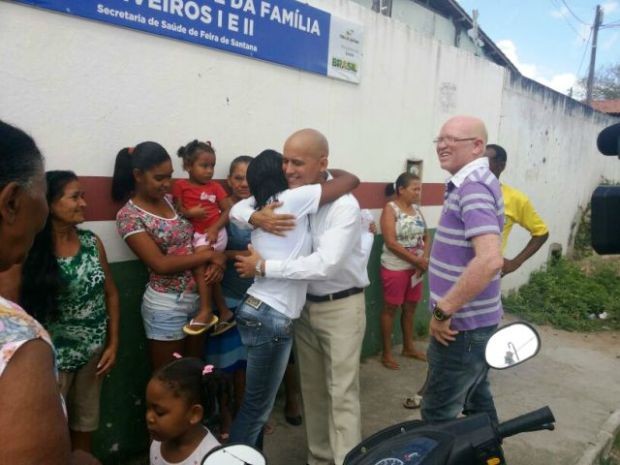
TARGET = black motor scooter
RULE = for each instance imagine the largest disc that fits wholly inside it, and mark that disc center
(471, 440)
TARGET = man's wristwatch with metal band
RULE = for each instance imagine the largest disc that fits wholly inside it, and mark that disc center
(439, 314)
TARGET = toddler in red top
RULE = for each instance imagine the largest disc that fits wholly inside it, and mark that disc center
(205, 204)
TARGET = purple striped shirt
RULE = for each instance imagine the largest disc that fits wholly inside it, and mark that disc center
(473, 206)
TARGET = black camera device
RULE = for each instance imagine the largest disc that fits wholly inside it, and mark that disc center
(606, 200)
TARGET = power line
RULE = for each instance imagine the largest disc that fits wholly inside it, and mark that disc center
(583, 56)
(573, 14)
(567, 21)
(611, 25)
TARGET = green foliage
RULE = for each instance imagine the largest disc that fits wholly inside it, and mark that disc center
(583, 239)
(567, 297)
(613, 457)
(606, 83)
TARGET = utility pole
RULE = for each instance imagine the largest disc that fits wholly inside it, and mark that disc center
(598, 19)
(383, 7)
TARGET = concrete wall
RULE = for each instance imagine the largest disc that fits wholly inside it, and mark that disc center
(552, 156)
(86, 89)
(429, 23)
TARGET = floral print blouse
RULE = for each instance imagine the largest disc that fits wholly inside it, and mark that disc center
(410, 231)
(16, 328)
(173, 236)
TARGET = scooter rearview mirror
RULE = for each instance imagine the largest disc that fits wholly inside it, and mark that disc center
(511, 345)
(234, 454)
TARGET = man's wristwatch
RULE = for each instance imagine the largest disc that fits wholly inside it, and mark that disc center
(439, 314)
(258, 269)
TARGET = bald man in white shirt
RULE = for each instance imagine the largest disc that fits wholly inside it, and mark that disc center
(330, 331)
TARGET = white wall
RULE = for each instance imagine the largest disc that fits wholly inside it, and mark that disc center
(552, 157)
(85, 89)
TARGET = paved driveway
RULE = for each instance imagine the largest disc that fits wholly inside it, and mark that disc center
(576, 374)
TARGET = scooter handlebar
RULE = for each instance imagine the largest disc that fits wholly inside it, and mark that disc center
(537, 420)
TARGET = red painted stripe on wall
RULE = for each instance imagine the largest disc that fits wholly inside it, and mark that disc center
(372, 194)
(369, 195)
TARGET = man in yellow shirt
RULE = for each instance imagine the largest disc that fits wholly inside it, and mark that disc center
(517, 209)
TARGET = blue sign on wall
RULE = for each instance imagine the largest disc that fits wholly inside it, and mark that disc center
(281, 31)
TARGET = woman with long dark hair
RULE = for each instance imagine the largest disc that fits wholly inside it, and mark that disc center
(162, 239)
(265, 316)
(68, 285)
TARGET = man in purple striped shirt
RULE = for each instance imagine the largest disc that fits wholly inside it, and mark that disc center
(464, 277)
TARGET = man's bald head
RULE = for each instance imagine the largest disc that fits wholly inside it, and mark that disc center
(461, 140)
(305, 157)
(309, 141)
(469, 125)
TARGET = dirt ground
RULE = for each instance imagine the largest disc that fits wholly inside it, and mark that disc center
(577, 375)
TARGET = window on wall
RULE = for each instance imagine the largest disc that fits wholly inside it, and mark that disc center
(414, 167)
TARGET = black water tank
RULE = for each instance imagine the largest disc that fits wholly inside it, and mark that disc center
(606, 220)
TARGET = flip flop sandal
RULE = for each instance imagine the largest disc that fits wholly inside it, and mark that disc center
(202, 327)
(413, 402)
(295, 421)
(390, 364)
(415, 355)
(223, 326)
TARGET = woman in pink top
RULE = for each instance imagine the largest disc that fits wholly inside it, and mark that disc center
(162, 239)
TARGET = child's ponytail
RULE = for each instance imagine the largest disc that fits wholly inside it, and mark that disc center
(189, 152)
(212, 386)
(191, 378)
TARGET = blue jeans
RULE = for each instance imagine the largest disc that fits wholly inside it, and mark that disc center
(457, 378)
(268, 337)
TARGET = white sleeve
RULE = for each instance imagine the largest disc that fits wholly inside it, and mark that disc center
(241, 212)
(303, 200)
(335, 244)
(368, 238)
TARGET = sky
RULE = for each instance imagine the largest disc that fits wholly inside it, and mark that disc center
(550, 40)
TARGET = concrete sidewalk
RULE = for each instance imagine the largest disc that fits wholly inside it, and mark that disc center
(577, 375)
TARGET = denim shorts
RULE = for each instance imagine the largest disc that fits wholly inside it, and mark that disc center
(164, 314)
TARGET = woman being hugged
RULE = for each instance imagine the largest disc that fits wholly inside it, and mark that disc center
(265, 316)
(205, 204)
(404, 260)
(67, 283)
(179, 396)
(162, 239)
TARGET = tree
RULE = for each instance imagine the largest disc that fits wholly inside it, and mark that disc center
(606, 83)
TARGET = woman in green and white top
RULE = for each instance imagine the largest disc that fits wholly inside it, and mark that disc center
(67, 278)
(403, 262)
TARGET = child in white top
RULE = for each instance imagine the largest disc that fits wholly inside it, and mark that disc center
(178, 397)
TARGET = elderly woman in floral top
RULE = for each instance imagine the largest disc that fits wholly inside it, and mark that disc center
(33, 425)
(67, 284)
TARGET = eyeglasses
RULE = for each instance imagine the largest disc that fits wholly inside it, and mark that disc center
(452, 140)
